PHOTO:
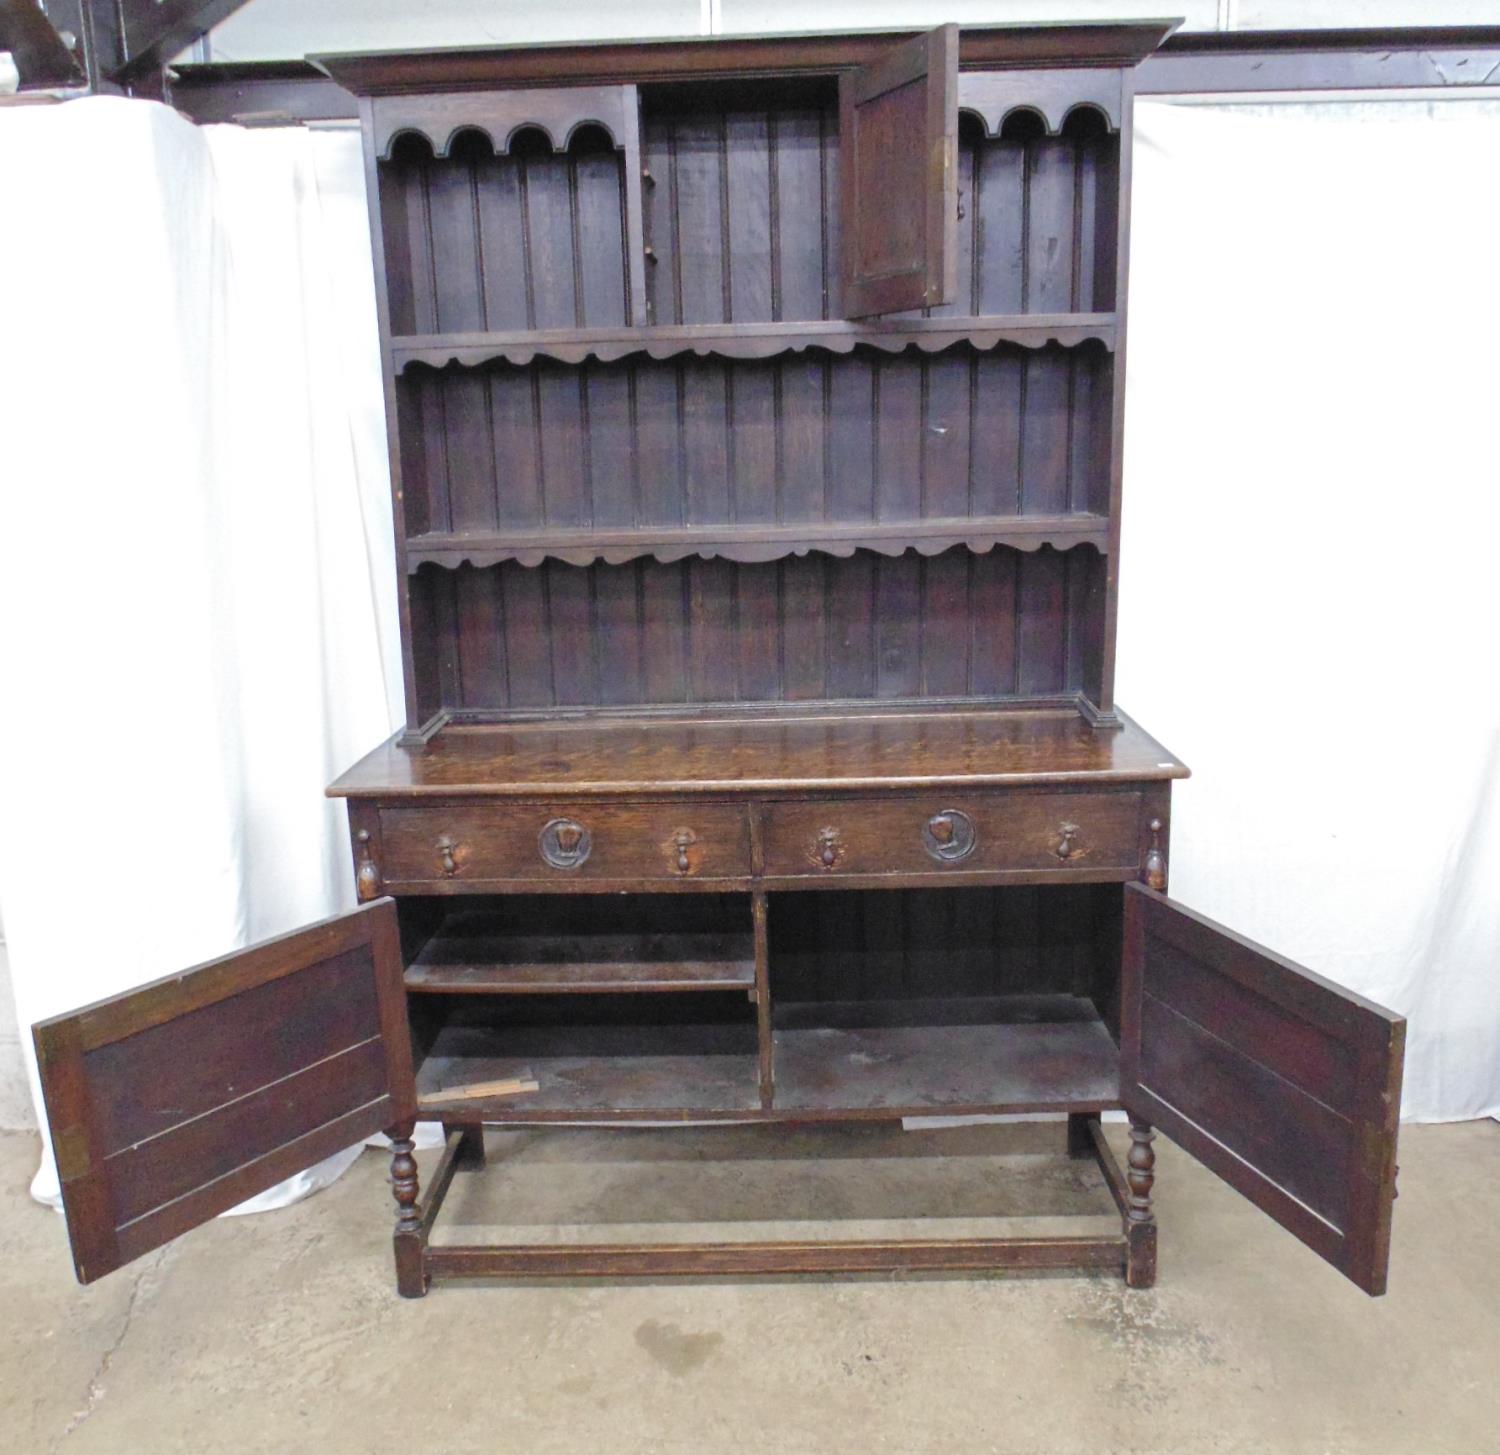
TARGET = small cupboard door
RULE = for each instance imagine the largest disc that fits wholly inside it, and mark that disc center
(1284, 1084)
(171, 1103)
(898, 159)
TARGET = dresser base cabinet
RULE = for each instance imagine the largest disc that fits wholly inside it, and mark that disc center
(942, 991)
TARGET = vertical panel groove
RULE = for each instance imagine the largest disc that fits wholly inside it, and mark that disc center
(447, 483)
(639, 572)
(492, 436)
(1067, 618)
(1028, 163)
(823, 201)
(1015, 622)
(595, 637)
(575, 249)
(730, 454)
(924, 430)
(630, 300)
(684, 503)
(726, 264)
(827, 402)
(633, 415)
(773, 182)
(536, 439)
(528, 271)
(676, 222)
(484, 300)
(976, 250)
(503, 626)
(587, 442)
(1076, 283)
(971, 562)
(973, 431)
(426, 214)
(548, 636)
(1069, 470)
(1025, 370)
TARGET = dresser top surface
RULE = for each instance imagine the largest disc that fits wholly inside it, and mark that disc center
(741, 756)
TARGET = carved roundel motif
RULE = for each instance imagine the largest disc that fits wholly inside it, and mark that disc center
(950, 835)
(565, 843)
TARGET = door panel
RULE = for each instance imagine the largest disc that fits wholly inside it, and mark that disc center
(898, 130)
(173, 1102)
(1284, 1084)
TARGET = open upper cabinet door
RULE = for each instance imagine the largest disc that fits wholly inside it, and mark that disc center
(898, 141)
(1278, 1080)
(173, 1102)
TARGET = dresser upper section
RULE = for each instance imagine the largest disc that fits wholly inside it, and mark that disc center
(778, 372)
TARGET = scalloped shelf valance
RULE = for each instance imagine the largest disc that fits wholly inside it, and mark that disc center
(1054, 96)
(559, 112)
(753, 340)
(748, 543)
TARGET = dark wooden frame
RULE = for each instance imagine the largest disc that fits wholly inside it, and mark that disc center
(91, 1059)
(870, 213)
(594, 717)
(1334, 1058)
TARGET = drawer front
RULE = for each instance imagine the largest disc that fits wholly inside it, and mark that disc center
(562, 843)
(928, 834)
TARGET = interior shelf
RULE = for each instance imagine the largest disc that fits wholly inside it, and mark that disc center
(992, 1054)
(852, 1060)
(758, 542)
(660, 1072)
(752, 340)
(483, 961)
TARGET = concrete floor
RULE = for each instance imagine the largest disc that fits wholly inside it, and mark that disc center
(282, 1333)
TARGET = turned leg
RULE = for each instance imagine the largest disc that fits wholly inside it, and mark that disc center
(411, 1276)
(471, 1149)
(1080, 1143)
(1140, 1221)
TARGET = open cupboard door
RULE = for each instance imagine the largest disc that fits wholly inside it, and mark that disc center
(1284, 1084)
(898, 142)
(171, 1103)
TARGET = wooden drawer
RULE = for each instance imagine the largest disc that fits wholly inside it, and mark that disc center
(928, 834)
(562, 843)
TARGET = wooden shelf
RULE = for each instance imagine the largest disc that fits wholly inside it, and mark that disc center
(1000, 1055)
(747, 543)
(853, 1061)
(669, 1073)
(752, 340)
(493, 964)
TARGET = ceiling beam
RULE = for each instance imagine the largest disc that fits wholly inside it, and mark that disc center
(153, 31)
(43, 56)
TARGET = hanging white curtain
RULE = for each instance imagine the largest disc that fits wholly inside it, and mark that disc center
(196, 576)
(1312, 501)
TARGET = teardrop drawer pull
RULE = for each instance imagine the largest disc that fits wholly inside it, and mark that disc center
(828, 849)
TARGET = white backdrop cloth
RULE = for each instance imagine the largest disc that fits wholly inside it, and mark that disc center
(1312, 501)
(196, 585)
(196, 577)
